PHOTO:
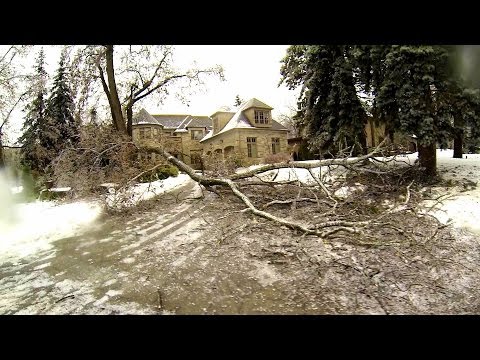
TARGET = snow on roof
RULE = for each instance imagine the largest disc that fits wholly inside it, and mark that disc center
(207, 136)
(168, 121)
(143, 117)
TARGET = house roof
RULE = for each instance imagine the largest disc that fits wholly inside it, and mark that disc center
(171, 121)
(255, 103)
(143, 117)
(180, 122)
(240, 121)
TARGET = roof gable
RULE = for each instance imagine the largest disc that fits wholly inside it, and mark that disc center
(240, 121)
(172, 121)
(255, 103)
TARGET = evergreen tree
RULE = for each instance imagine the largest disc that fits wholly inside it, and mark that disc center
(238, 101)
(36, 152)
(332, 116)
(60, 109)
(417, 92)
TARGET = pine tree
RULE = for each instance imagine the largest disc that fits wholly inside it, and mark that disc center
(36, 152)
(238, 101)
(415, 92)
(60, 109)
(332, 114)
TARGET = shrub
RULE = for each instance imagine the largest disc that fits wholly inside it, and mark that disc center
(277, 158)
(163, 172)
(217, 165)
(104, 156)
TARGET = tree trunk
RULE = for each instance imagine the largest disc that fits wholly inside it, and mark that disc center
(427, 156)
(2, 163)
(458, 139)
(116, 107)
(129, 119)
(372, 132)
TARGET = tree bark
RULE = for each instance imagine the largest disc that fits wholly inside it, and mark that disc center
(458, 139)
(129, 119)
(427, 156)
(116, 107)
(372, 131)
(2, 163)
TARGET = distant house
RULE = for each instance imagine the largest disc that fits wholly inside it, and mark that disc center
(180, 134)
(250, 134)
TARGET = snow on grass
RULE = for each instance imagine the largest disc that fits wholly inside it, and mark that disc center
(324, 173)
(27, 228)
(144, 191)
(462, 207)
(33, 226)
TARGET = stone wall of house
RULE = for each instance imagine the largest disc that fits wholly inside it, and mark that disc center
(221, 118)
(157, 137)
(190, 145)
(237, 138)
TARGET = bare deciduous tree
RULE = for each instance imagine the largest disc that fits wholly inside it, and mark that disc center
(137, 72)
(10, 77)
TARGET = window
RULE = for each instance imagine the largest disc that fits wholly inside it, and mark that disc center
(197, 134)
(195, 157)
(252, 146)
(261, 117)
(142, 133)
(275, 145)
(148, 133)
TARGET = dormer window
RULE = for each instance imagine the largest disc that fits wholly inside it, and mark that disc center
(197, 134)
(261, 117)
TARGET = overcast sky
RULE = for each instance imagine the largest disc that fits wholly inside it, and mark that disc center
(250, 71)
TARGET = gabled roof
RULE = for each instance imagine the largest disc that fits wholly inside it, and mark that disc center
(143, 117)
(240, 121)
(180, 122)
(196, 121)
(170, 121)
(255, 103)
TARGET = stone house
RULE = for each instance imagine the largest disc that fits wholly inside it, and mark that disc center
(181, 134)
(250, 134)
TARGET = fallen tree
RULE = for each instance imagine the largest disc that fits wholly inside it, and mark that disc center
(326, 229)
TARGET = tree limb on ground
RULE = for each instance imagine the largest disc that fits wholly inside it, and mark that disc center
(318, 230)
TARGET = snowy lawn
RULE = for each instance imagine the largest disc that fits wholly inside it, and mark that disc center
(144, 191)
(33, 226)
(461, 207)
(30, 227)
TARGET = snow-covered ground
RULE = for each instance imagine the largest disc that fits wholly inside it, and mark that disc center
(26, 228)
(145, 191)
(34, 226)
(462, 205)
(459, 206)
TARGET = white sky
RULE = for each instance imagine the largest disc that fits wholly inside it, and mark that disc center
(250, 71)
